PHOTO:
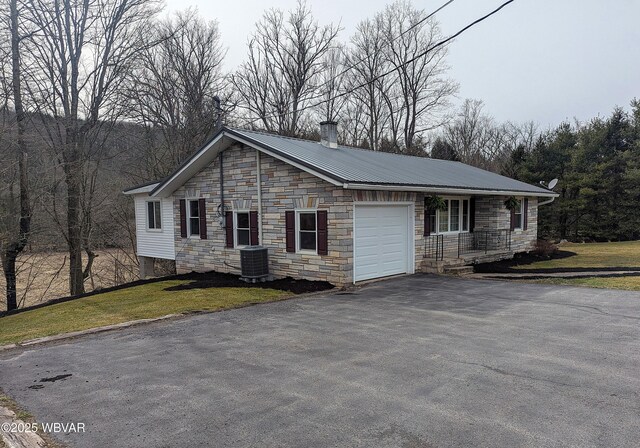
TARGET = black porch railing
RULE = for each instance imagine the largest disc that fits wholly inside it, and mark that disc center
(484, 240)
(434, 247)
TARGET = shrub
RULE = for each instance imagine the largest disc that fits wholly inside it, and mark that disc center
(544, 248)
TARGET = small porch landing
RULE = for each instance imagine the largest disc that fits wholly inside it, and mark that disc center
(464, 264)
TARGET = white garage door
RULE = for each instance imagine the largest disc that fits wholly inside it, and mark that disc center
(381, 241)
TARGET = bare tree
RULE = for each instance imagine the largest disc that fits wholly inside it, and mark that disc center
(422, 84)
(478, 140)
(332, 84)
(17, 231)
(401, 100)
(173, 88)
(368, 63)
(81, 58)
(281, 74)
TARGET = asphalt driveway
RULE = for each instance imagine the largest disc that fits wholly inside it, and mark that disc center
(419, 361)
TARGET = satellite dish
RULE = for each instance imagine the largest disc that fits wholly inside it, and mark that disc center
(553, 183)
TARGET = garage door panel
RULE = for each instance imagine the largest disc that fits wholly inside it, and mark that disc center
(381, 241)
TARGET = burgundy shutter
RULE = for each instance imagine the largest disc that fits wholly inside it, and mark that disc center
(229, 228)
(202, 209)
(427, 222)
(525, 214)
(472, 214)
(290, 224)
(253, 228)
(512, 224)
(183, 218)
(323, 240)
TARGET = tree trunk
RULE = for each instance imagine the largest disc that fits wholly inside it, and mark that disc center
(73, 168)
(74, 229)
(9, 269)
(16, 246)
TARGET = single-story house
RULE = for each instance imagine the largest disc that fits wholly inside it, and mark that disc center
(329, 212)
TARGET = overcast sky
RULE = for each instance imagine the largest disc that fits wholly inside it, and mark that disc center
(541, 60)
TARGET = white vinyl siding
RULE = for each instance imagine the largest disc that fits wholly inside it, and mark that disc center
(157, 243)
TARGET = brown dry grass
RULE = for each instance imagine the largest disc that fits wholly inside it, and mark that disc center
(43, 276)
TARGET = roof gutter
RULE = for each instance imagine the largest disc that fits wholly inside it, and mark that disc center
(446, 190)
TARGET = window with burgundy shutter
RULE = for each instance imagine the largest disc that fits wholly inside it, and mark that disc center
(472, 213)
(202, 208)
(228, 227)
(307, 231)
(525, 214)
(323, 240)
(427, 222)
(290, 229)
(242, 229)
(253, 228)
(183, 218)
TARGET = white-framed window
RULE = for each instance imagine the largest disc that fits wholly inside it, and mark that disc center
(519, 213)
(243, 228)
(193, 217)
(154, 215)
(306, 231)
(454, 218)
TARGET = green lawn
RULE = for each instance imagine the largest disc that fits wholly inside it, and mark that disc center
(628, 283)
(593, 255)
(138, 302)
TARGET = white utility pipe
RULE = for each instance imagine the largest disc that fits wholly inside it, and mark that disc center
(259, 185)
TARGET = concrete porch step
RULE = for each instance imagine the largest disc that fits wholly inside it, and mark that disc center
(458, 270)
(432, 266)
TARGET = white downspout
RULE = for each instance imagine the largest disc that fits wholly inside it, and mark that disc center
(259, 186)
(548, 201)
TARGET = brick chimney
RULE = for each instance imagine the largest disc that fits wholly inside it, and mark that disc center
(329, 134)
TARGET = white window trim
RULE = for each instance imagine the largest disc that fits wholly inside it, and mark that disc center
(146, 211)
(521, 215)
(297, 228)
(461, 215)
(235, 228)
(188, 207)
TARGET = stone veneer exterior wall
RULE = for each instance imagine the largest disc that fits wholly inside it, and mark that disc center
(492, 214)
(285, 187)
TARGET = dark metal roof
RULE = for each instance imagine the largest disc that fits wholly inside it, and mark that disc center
(360, 166)
(146, 184)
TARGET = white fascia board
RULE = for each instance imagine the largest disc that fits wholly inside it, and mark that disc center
(444, 190)
(288, 161)
(146, 189)
(177, 177)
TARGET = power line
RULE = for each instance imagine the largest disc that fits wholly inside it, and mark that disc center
(353, 65)
(405, 63)
(420, 22)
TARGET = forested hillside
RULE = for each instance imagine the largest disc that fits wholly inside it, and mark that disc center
(597, 164)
